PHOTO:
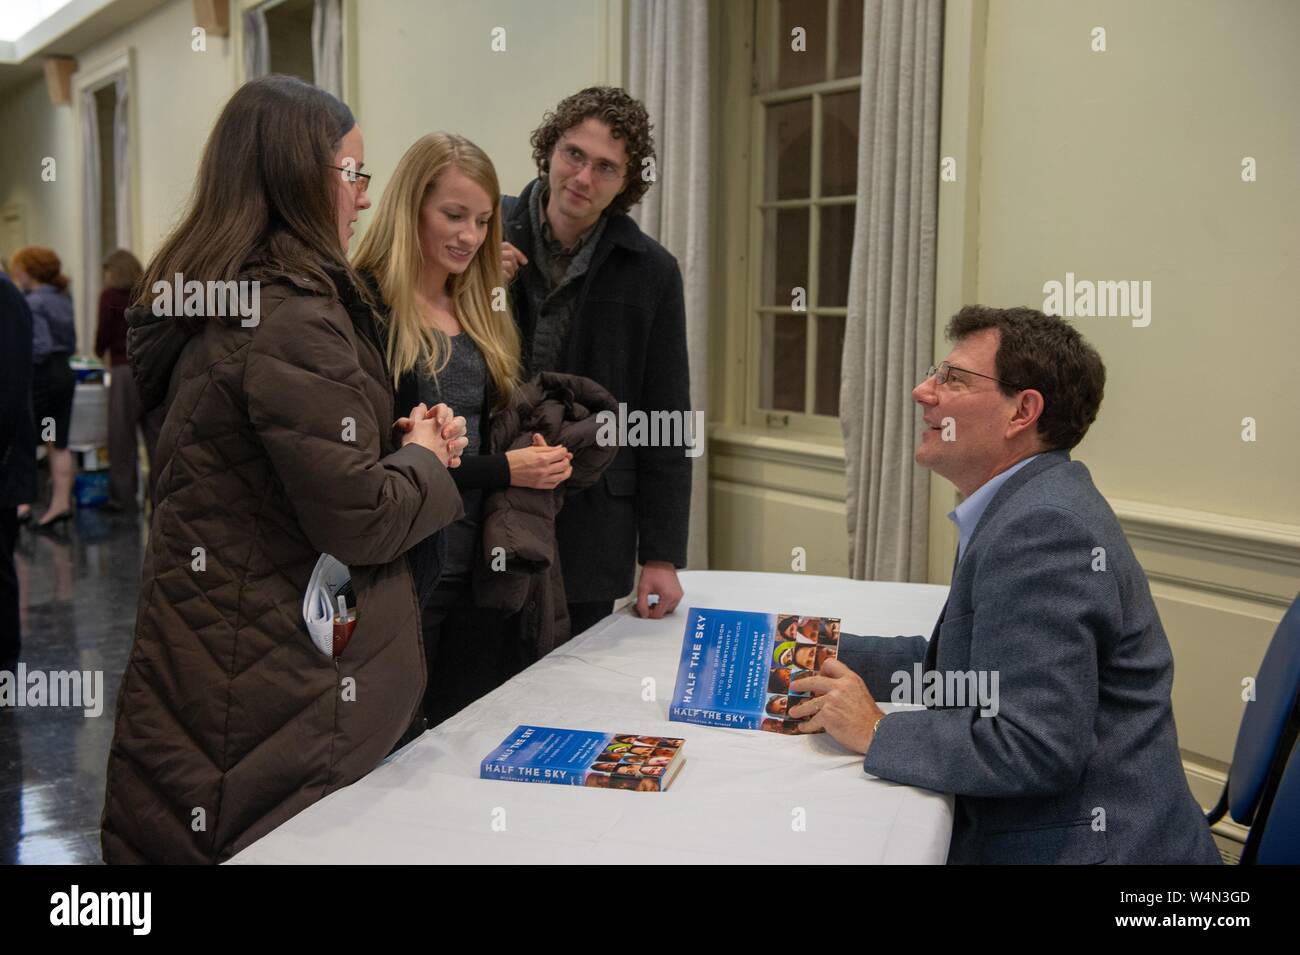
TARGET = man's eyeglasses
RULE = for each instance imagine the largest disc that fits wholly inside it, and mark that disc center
(577, 160)
(360, 179)
(943, 371)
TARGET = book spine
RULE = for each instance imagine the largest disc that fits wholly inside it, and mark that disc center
(532, 774)
(706, 717)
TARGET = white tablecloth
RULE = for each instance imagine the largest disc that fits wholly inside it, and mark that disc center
(739, 798)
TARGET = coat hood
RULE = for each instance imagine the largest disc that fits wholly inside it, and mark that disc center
(153, 344)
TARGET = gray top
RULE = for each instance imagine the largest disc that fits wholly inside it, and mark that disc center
(54, 329)
(462, 384)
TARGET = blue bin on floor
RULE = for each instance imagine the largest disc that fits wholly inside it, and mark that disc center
(90, 489)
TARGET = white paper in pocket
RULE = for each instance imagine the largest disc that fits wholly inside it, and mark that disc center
(318, 605)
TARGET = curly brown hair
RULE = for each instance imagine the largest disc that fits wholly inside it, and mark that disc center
(627, 120)
(1045, 353)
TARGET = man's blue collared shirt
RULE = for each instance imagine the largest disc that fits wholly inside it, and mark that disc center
(968, 513)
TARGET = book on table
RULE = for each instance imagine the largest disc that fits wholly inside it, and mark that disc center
(737, 667)
(545, 754)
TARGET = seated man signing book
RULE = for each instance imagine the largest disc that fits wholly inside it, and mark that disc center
(1046, 680)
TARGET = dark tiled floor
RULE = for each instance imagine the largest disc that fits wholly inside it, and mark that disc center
(78, 613)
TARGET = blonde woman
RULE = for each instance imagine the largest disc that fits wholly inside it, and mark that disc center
(432, 256)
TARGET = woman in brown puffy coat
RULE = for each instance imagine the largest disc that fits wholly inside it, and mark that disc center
(278, 446)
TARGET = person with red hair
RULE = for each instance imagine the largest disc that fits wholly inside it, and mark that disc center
(37, 271)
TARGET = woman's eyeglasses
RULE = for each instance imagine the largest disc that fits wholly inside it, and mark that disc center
(360, 179)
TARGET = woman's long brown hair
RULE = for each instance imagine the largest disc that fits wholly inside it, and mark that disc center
(262, 205)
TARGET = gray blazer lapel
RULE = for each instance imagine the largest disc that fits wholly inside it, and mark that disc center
(1045, 461)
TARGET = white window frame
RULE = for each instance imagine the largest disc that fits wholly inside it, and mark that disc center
(349, 48)
(768, 38)
(86, 81)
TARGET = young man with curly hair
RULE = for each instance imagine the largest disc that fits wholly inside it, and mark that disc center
(594, 296)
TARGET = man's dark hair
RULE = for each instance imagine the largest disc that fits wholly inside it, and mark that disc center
(627, 120)
(1047, 354)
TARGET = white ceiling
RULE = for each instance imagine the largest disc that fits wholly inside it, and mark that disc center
(31, 30)
(18, 17)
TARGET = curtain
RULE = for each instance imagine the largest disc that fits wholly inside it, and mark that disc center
(91, 197)
(327, 45)
(257, 46)
(668, 70)
(889, 337)
(122, 164)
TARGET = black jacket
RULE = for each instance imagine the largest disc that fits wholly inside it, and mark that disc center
(628, 334)
(17, 428)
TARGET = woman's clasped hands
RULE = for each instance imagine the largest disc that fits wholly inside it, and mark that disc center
(438, 428)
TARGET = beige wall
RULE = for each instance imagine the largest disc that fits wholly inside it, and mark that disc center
(415, 66)
(1127, 165)
(430, 66)
(33, 131)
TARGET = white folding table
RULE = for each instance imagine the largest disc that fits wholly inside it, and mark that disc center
(742, 796)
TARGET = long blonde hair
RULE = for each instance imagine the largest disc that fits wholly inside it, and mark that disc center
(390, 251)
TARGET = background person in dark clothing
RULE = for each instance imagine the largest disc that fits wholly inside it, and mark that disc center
(594, 296)
(122, 271)
(17, 454)
(36, 270)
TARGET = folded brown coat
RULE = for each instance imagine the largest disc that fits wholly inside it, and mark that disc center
(520, 570)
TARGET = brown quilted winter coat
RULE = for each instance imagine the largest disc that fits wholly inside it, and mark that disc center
(277, 447)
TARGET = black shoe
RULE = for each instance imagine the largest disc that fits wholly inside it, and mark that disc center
(53, 524)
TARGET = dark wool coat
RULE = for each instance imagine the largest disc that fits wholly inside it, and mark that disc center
(628, 334)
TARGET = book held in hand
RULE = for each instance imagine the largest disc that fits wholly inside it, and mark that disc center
(737, 667)
(543, 754)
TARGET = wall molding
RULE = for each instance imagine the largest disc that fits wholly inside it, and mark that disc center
(754, 443)
(1220, 554)
(1210, 531)
(808, 471)
(1208, 535)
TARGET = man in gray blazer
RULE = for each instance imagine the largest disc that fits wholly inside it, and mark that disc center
(1046, 680)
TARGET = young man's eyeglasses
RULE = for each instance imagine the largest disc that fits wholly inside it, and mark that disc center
(359, 179)
(577, 160)
(942, 372)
